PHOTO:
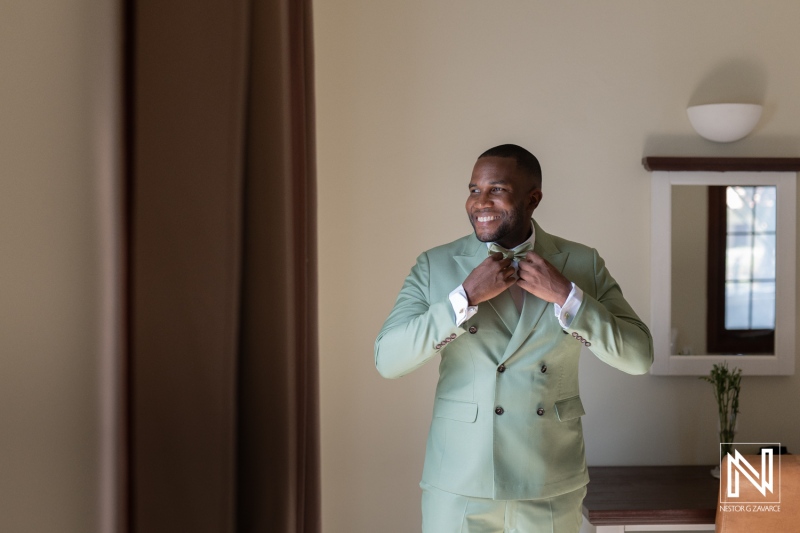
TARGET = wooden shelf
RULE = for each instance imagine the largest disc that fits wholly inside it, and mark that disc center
(651, 495)
(723, 164)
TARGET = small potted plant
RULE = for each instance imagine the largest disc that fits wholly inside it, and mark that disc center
(727, 384)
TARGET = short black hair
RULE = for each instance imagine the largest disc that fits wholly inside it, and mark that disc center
(525, 160)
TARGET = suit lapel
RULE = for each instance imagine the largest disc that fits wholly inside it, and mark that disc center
(533, 308)
(504, 305)
(471, 255)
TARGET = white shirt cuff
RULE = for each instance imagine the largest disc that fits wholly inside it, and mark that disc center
(566, 313)
(461, 308)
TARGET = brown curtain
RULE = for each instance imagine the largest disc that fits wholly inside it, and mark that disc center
(222, 329)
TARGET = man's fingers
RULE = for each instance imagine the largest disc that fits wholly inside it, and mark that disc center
(534, 262)
(533, 257)
(498, 260)
(528, 267)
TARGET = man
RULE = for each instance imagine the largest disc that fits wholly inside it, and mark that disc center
(508, 309)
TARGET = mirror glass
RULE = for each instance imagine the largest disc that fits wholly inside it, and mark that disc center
(723, 269)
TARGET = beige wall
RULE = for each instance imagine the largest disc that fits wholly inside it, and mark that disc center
(409, 93)
(57, 158)
(689, 267)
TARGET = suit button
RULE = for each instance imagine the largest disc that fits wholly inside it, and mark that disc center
(544, 369)
(452, 336)
(499, 410)
(438, 346)
(501, 368)
(473, 329)
(540, 411)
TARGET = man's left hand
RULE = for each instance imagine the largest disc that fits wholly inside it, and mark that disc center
(541, 279)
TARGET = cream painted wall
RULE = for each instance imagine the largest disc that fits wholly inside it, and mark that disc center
(689, 267)
(409, 93)
(58, 149)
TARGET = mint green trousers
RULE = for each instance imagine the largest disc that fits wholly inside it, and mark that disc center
(444, 512)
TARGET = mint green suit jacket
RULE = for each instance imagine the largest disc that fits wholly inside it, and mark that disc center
(534, 448)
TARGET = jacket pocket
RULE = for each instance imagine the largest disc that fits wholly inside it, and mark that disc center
(569, 408)
(455, 410)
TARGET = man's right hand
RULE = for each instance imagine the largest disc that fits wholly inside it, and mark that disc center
(494, 275)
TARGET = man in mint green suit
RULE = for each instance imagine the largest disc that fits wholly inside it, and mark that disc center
(507, 310)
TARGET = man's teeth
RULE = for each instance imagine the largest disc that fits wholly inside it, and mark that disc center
(486, 219)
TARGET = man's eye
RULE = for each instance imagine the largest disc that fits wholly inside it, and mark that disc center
(497, 189)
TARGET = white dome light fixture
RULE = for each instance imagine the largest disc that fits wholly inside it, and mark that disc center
(724, 123)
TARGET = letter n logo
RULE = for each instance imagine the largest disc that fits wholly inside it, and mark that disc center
(762, 480)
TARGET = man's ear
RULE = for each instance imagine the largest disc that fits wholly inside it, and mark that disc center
(534, 198)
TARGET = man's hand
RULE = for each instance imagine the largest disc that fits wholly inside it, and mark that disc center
(494, 275)
(541, 279)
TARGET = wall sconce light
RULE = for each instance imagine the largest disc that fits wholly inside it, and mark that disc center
(724, 123)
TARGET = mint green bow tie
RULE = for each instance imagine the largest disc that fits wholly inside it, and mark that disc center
(515, 255)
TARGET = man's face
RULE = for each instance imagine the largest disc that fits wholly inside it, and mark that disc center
(501, 201)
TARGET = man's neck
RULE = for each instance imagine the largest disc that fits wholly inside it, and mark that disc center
(529, 236)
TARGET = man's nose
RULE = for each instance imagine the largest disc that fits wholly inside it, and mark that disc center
(483, 200)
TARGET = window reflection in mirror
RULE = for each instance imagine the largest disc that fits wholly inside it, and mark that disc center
(723, 269)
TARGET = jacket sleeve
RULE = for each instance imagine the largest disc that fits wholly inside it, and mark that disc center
(606, 320)
(417, 328)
